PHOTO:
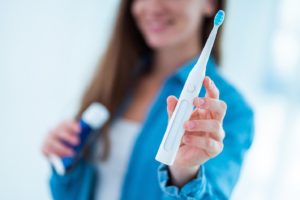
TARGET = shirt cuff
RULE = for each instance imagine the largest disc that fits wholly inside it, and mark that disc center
(68, 177)
(194, 189)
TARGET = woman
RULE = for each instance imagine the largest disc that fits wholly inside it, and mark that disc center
(154, 46)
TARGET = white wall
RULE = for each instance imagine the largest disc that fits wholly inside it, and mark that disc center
(48, 49)
(261, 56)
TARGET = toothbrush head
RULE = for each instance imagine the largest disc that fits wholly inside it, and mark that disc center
(219, 18)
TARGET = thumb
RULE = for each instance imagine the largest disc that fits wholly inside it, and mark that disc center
(171, 104)
(211, 90)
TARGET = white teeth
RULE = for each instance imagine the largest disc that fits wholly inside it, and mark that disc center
(156, 24)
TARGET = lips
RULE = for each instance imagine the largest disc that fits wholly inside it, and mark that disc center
(157, 26)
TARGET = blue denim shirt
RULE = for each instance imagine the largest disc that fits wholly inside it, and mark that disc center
(148, 179)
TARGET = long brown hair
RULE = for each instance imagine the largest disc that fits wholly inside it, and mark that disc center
(114, 76)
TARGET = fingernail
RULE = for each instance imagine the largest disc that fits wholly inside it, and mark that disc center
(201, 101)
(215, 145)
(191, 124)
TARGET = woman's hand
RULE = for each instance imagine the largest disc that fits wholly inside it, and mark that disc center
(66, 131)
(203, 137)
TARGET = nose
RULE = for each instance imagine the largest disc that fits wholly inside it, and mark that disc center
(155, 7)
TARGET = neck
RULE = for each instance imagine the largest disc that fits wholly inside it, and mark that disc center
(168, 60)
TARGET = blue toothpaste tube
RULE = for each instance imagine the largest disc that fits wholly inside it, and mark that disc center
(92, 119)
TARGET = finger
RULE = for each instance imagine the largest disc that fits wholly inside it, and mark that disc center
(67, 136)
(197, 133)
(214, 128)
(70, 126)
(211, 146)
(216, 106)
(58, 148)
(211, 89)
(171, 105)
(45, 150)
(199, 113)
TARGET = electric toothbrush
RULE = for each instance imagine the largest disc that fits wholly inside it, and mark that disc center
(172, 138)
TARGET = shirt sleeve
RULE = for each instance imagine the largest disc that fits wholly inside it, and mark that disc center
(218, 176)
(192, 190)
(75, 184)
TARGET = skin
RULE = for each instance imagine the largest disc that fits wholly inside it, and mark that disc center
(171, 29)
(204, 134)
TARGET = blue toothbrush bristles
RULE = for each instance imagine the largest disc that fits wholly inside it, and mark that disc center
(219, 18)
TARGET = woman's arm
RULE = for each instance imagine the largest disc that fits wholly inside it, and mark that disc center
(197, 173)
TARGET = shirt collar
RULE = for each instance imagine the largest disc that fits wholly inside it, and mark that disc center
(183, 71)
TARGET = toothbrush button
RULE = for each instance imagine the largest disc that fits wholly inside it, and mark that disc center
(191, 88)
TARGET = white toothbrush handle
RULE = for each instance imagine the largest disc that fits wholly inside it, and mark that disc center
(175, 130)
(171, 141)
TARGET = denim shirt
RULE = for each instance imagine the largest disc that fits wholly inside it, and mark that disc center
(148, 179)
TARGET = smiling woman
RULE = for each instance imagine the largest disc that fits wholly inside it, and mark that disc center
(167, 24)
(153, 47)
(48, 53)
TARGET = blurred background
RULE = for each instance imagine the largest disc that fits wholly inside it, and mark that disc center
(49, 48)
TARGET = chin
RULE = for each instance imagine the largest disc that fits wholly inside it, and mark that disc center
(159, 43)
